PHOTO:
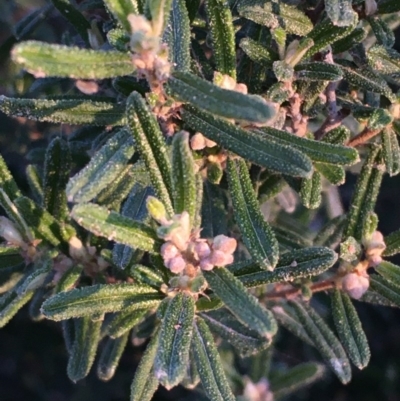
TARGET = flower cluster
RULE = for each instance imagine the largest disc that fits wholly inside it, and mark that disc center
(356, 280)
(184, 251)
(258, 391)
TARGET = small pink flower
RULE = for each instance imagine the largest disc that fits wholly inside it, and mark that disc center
(206, 265)
(224, 244)
(219, 258)
(202, 249)
(168, 251)
(355, 284)
(176, 264)
(198, 141)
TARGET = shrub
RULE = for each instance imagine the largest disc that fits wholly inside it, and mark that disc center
(145, 222)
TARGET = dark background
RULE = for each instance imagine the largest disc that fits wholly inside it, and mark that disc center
(33, 358)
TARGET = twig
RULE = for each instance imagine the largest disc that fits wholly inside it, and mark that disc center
(293, 292)
(365, 135)
(330, 124)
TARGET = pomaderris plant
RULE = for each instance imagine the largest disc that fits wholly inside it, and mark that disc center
(193, 204)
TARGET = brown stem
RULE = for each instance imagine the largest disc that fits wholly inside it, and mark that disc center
(365, 135)
(293, 292)
(329, 124)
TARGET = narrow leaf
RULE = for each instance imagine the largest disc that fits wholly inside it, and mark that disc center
(110, 357)
(244, 306)
(145, 384)
(349, 329)
(115, 227)
(391, 151)
(257, 234)
(175, 337)
(222, 36)
(392, 242)
(390, 272)
(57, 166)
(340, 12)
(83, 352)
(121, 9)
(187, 87)
(49, 60)
(7, 182)
(99, 298)
(276, 157)
(184, 176)
(310, 191)
(11, 303)
(151, 144)
(123, 322)
(209, 365)
(66, 111)
(325, 341)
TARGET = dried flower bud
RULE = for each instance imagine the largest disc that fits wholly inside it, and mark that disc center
(202, 249)
(168, 251)
(87, 87)
(10, 233)
(198, 141)
(224, 81)
(76, 249)
(224, 244)
(176, 264)
(355, 284)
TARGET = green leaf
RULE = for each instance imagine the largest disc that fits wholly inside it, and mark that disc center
(385, 289)
(175, 337)
(331, 234)
(152, 147)
(246, 342)
(392, 242)
(9, 256)
(11, 303)
(318, 71)
(336, 175)
(292, 265)
(244, 306)
(349, 329)
(184, 176)
(121, 9)
(358, 35)
(326, 33)
(7, 182)
(83, 352)
(43, 224)
(115, 227)
(49, 60)
(222, 36)
(34, 178)
(110, 357)
(257, 234)
(340, 12)
(209, 364)
(187, 87)
(71, 14)
(256, 52)
(35, 279)
(388, 7)
(145, 384)
(123, 322)
(390, 272)
(27, 24)
(57, 165)
(366, 78)
(383, 32)
(288, 319)
(159, 11)
(104, 168)
(177, 36)
(289, 17)
(391, 151)
(296, 378)
(310, 191)
(99, 298)
(384, 60)
(316, 150)
(325, 341)
(365, 195)
(69, 279)
(75, 111)
(274, 156)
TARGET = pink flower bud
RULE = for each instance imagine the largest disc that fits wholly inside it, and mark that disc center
(202, 249)
(176, 264)
(206, 265)
(10, 233)
(210, 143)
(198, 141)
(242, 88)
(356, 285)
(168, 251)
(219, 258)
(374, 260)
(224, 244)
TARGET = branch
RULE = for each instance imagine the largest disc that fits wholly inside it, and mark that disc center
(365, 135)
